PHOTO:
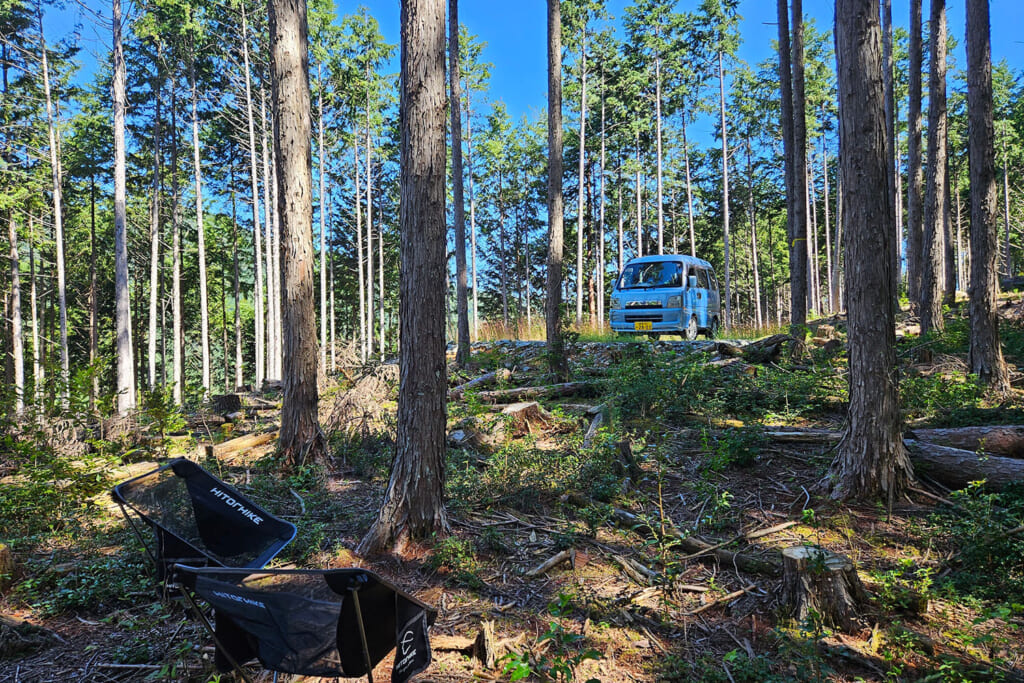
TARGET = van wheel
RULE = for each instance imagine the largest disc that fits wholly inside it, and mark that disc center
(713, 330)
(691, 329)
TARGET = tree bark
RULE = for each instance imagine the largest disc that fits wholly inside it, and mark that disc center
(458, 210)
(58, 209)
(794, 153)
(17, 335)
(204, 301)
(985, 357)
(956, 468)
(258, 313)
(819, 585)
(689, 185)
(935, 215)
(322, 150)
(154, 235)
(413, 506)
(915, 201)
(727, 321)
(890, 131)
(872, 461)
(553, 306)
(301, 439)
(178, 371)
(580, 195)
(122, 302)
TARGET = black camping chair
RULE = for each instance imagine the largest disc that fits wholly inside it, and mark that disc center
(199, 520)
(334, 622)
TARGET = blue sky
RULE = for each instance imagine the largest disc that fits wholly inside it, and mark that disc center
(515, 33)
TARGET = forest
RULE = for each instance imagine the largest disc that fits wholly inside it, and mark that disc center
(345, 278)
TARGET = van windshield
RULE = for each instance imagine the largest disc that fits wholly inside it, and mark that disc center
(652, 274)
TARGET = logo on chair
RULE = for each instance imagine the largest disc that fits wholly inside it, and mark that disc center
(407, 639)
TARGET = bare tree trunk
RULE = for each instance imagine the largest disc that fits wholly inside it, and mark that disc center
(472, 212)
(458, 210)
(601, 217)
(357, 207)
(268, 218)
(657, 133)
(204, 312)
(986, 356)
(556, 352)
(935, 218)
(622, 241)
(872, 461)
(237, 288)
(122, 302)
(176, 302)
(639, 204)
(38, 375)
(1006, 210)
(58, 213)
(794, 152)
(301, 440)
(949, 258)
(323, 217)
(890, 128)
(369, 223)
(580, 201)
(915, 200)
(154, 236)
(831, 280)
(413, 506)
(259, 313)
(380, 280)
(17, 335)
(758, 320)
(503, 269)
(725, 191)
(689, 189)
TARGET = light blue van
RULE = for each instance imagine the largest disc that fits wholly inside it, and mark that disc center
(667, 294)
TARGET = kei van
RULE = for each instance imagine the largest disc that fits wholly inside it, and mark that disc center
(667, 294)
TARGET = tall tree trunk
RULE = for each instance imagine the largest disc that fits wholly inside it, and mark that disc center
(800, 244)
(413, 506)
(472, 211)
(268, 217)
(458, 210)
(1008, 262)
(831, 279)
(503, 268)
(915, 178)
(552, 314)
(872, 462)
(949, 257)
(154, 236)
(237, 287)
(369, 222)
(986, 356)
(753, 240)
(639, 204)
(380, 279)
(38, 374)
(204, 307)
(17, 335)
(797, 271)
(122, 302)
(657, 139)
(580, 201)
(621, 259)
(58, 210)
(301, 440)
(689, 188)
(258, 313)
(176, 302)
(601, 217)
(725, 191)
(363, 331)
(322, 150)
(890, 131)
(935, 218)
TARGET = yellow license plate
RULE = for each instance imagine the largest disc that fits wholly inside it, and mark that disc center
(641, 326)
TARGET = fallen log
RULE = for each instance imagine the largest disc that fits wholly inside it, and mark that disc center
(240, 444)
(595, 424)
(956, 467)
(553, 561)
(499, 375)
(766, 350)
(1005, 440)
(548, 391)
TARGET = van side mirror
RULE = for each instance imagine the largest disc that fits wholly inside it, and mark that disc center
(692, 281)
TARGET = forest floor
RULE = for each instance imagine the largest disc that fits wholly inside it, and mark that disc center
(666, 482)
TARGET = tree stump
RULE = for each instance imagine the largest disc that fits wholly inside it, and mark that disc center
(484, 648)
(6, 567)
(818, 584)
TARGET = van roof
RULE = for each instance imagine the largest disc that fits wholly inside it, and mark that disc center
(679, 258)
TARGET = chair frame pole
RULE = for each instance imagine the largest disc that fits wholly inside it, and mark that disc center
(216, 641)
(362, 634)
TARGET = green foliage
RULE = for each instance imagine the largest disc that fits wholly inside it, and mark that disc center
(906, 588)
(557, 653)
(454, 557)
(736, 666)
(92, 584)
(989, 563)
(160, 410)
(930, 395)
(731, 448)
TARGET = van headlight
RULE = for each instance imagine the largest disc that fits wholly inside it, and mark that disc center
(675, 301)
(616, 302)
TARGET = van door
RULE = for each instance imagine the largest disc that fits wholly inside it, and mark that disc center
(701, 305)
(714, 298)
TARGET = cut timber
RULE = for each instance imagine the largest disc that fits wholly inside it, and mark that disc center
(240, 444)
(557, 559)
(499, 375)
(6, 567)
(768, 349)
(525, 417)
(547, 391)
(805, 435)
(1005, 440)
(485, 649)
(818, 584)
(956, 467)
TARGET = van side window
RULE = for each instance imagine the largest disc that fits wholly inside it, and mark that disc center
(702, 278)
(713, 281)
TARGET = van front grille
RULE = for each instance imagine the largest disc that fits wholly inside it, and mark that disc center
(643, 304)
(643, 317)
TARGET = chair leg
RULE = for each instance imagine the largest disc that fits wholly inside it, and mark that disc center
(362, 635)
(209, 628)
